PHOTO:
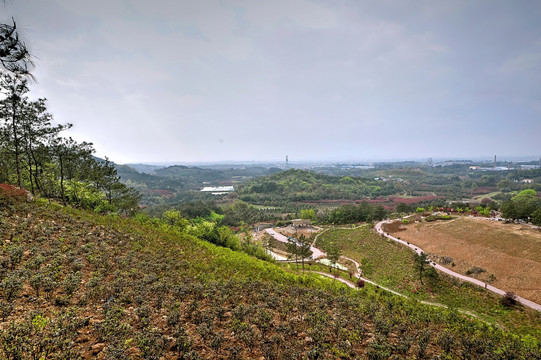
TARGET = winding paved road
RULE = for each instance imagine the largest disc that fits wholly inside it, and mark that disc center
(316, 253)
(418, 250)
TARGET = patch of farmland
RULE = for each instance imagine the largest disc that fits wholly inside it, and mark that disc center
(507, 256)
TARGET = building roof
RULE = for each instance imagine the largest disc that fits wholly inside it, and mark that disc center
(218, 189)
(301, 222)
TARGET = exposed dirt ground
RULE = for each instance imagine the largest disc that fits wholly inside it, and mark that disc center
(512, 253)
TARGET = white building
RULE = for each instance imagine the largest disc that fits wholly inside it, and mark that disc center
(218, 190)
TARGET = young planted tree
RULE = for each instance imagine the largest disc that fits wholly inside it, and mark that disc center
(293, 249)
(304, 249)
(333, 253)
(266, 241)
(421, 262)
(106, 178)
(126, 199)
(71, 160)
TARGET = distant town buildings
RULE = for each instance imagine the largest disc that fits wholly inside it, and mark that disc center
(529, 167)
(496, 168)
(363, 167)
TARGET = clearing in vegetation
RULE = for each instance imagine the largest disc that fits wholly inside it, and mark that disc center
(507, 256)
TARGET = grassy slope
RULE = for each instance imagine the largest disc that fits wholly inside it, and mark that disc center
(77, 284)
(391, 265)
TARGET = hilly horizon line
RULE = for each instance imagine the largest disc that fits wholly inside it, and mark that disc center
(499, 158)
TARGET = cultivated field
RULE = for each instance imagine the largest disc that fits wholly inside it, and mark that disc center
(510, 254)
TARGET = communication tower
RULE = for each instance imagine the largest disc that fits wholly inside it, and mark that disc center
(287, 163)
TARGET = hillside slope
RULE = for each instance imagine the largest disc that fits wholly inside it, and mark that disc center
(74, 284)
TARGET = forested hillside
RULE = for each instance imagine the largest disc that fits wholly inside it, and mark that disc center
(301, 185)
(172, 185)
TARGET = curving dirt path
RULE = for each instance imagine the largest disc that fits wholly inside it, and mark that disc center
(418, 250)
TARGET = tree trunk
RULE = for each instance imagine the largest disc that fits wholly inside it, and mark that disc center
(62, 179)
(16, 149)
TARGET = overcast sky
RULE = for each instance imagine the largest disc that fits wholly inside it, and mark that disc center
(256, 80)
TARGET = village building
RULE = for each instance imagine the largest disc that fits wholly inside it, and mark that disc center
(301, 223)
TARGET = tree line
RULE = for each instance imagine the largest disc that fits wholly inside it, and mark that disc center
(526, 205)
(300, 185)
(35, 156)
(33, 153)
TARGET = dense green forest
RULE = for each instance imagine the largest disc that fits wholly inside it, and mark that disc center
(301, 185)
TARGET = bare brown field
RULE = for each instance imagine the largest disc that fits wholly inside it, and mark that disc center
(512, 253)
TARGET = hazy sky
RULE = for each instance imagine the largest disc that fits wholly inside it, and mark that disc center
(257, 80)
